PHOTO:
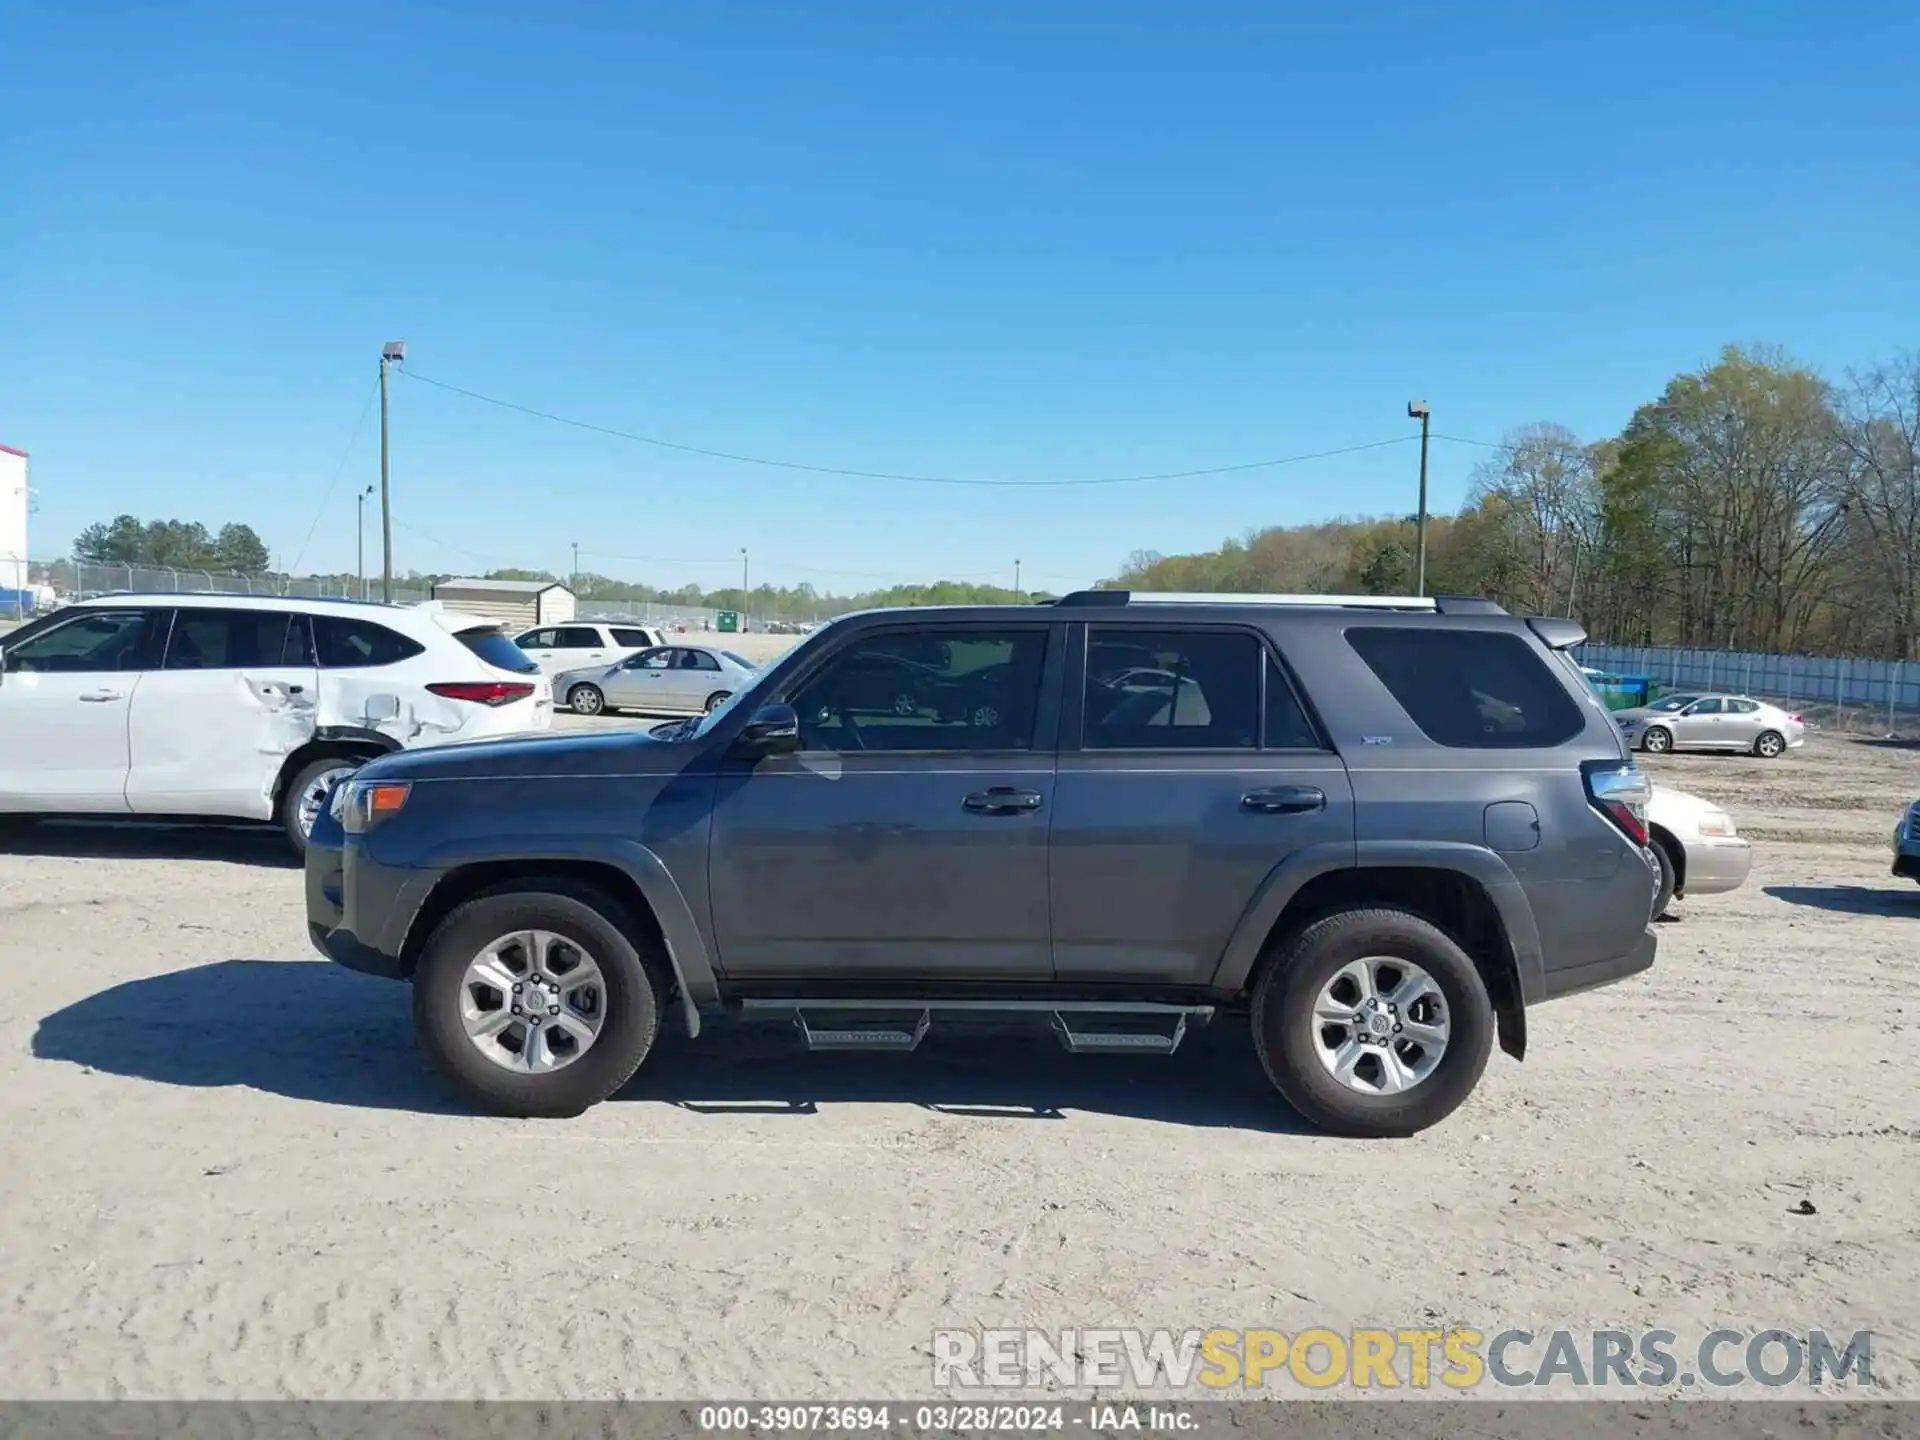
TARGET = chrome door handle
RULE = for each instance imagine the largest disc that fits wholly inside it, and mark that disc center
(1002, 800)
(1284, 800)
(100, 697)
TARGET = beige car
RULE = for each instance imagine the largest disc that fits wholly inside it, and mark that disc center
(1695, 847)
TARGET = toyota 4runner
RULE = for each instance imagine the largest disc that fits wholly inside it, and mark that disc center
(1380, 829)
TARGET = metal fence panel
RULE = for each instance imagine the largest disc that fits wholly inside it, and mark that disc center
(1880, 697)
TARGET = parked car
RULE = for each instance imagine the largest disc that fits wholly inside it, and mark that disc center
(581, 643)
(1344, 850)
(665, 680)
(1699, 721)
(240, 706)
(1906, 844)
(1695, 846)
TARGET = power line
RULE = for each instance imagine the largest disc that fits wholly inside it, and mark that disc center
(338, 470)
(892, 475)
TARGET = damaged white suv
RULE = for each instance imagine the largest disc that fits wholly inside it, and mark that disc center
(241, 706)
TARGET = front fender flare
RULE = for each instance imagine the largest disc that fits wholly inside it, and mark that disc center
(686, 950)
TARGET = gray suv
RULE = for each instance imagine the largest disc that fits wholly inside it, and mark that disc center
(1380, 829)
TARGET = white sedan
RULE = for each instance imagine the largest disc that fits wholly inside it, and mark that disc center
(1695, 847)
(668, 679)
(1696, 721)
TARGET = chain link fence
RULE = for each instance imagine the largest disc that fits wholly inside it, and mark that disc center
(1860, 697)
(29, 586)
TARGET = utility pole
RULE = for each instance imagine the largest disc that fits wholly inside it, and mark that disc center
(393, 352)
(1418, 410)
(743, 578)
(576, 567)
(360, 539)
(1016, 582)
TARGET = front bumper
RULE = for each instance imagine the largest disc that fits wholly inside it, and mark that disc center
(1716, 866)
(359, 911)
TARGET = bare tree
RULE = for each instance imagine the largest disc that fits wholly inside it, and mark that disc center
(1878, 430)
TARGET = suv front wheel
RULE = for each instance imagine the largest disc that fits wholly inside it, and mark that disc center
(533, 1002)
(1373, 1023)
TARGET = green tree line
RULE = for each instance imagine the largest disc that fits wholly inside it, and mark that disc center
(1754, 505)
(173, 545)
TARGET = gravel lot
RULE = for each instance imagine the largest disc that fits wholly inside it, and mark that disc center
(227, 1172)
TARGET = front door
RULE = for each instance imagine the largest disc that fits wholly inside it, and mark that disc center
(1188, 771)
(1701, 724)
(65, 699)
(234, 696)
(908, 839)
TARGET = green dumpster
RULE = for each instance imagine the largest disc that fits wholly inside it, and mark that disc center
(727, 620)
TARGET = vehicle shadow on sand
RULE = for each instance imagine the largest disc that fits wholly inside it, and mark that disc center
(309, 1030)
(260, 845)
(1849, 899)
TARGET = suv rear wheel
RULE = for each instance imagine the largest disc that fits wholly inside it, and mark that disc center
(533, 1002)
(1373, 1023)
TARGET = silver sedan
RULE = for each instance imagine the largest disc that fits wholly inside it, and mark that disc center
(1696, 721)
(666, 680)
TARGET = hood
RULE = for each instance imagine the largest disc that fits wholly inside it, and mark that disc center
(1668, 806)
(607, 752)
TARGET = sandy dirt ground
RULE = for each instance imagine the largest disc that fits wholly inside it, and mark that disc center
(225, 1171)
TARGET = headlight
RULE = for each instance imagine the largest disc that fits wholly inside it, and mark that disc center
(1716, 823)
(362, 804)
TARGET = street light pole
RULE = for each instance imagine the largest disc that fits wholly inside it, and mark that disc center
(576, 567)
(1418, 410)
(1016, 581)
(392, 353)
(360, 539)
(743, 578)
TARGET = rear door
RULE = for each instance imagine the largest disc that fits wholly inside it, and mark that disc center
(65, 699)
(235, 694)
(1188, 770)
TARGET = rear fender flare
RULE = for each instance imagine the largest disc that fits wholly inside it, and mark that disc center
(1287, 878)
(686, 950)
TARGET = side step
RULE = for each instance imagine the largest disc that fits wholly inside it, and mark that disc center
(902, 1037)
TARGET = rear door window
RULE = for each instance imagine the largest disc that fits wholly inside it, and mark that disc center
(1156, 690)
(1470, 689)
(350, 644)
(235, 639)
(537, 640)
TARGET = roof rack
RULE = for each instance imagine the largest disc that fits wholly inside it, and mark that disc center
(1441, 604)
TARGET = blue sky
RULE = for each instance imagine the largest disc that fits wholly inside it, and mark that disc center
(1029, 241)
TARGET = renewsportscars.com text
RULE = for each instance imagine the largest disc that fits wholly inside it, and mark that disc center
(1455, 1359)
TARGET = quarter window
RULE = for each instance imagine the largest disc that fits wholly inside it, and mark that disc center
(344, 644)
(576, 637)
(637, 639)
(1470, 689)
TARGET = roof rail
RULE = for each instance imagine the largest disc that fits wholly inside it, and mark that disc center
(1431, 604)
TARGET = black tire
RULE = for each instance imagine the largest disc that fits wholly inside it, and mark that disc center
(1769, 744)
(586, 700)
(288, 818)
(1283, 1022)
(582, 915)
(1669, 876)
(1657, 741)
(717, 699)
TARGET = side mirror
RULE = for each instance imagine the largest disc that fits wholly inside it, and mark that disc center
(774, 730)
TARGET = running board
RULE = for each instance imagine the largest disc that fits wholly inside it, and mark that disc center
(905, 1037)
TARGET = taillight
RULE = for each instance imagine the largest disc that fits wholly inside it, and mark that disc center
(483, 692)
(1620, 792)
(1796, 719)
